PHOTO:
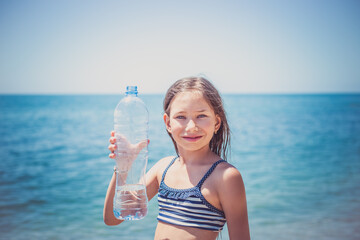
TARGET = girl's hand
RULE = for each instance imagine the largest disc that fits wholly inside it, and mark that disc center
(127, 152)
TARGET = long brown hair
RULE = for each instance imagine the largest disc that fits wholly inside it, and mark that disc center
(220, 143)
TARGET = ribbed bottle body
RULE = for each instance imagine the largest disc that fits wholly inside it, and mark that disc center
(131, 119)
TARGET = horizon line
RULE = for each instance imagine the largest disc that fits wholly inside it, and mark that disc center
(163, 93)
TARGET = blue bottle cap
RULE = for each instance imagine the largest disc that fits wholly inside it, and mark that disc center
(131, 90)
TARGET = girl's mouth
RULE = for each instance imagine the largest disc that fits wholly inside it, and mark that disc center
(191, 138)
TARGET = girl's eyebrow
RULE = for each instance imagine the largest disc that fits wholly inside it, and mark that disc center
(179, 112)
(183, 111)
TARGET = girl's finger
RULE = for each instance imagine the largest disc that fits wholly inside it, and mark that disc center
(112, 133)
(112, 155)
(112, 140)
(112, 147)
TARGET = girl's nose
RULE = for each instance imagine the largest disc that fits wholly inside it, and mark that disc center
(191, 125)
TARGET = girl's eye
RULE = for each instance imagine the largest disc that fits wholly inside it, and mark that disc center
(202, 116)
(180, 117)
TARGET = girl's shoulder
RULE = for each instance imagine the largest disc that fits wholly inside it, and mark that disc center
(226, 167)
(154, 175)
(165, 161)
(161, 165)
(226, 173)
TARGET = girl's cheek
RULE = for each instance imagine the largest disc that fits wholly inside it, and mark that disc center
(175, 124)
(205, 124)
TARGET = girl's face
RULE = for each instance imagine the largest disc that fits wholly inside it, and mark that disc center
(192, 121)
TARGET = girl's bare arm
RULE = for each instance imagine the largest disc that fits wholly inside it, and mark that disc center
(108, 213)
(233, 201)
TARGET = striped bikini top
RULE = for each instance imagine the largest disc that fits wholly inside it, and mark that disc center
(188, 207)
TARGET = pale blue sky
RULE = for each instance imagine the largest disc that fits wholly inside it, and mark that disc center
(242, 46)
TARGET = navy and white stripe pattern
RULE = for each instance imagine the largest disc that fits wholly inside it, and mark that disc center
(188, 207)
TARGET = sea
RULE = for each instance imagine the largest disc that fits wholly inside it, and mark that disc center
(299, 156)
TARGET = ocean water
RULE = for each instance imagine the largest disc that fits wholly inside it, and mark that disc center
(299, 156)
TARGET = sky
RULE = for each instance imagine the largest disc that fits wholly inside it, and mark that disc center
(100, 47)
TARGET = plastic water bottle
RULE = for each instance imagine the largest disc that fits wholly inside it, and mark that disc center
(131, 119)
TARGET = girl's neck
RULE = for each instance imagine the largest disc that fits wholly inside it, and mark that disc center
(198, 157)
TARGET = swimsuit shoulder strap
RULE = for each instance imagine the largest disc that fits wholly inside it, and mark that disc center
(207, 174)
(171, 163)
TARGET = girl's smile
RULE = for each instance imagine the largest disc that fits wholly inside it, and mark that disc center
(192, 138)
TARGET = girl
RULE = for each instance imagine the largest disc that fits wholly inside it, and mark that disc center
(197, 191)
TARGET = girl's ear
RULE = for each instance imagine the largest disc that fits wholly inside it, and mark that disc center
(218, 123)
(167, 122)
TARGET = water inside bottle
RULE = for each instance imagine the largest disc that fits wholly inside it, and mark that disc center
(130, 202)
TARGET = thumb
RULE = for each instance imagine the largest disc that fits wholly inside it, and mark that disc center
(142, 144)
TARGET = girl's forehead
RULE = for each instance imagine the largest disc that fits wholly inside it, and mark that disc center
(189, 100)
